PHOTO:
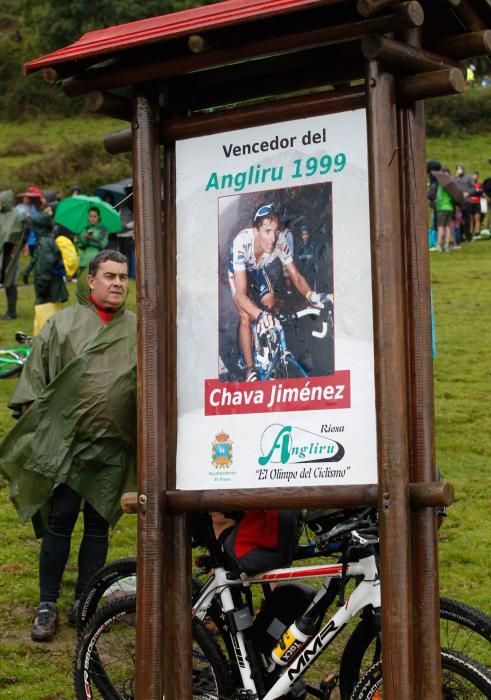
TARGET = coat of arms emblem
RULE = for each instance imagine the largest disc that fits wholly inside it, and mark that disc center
(221, 450)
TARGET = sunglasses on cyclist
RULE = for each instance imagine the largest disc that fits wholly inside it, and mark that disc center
(265, 210)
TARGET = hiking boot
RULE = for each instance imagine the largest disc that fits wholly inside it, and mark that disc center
(73, 614)
(46, 623)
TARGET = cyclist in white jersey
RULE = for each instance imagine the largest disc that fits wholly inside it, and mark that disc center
(253, 249)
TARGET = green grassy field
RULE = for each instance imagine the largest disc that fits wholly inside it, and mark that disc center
(461, 285)
(462, 297)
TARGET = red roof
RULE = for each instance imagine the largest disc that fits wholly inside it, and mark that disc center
(99, 43)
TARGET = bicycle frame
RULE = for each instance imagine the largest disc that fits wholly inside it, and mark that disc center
(276, 352)
(366, 593)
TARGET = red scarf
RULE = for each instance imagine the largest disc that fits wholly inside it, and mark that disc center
(105, 314)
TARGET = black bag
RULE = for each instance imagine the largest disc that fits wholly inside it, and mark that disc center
(263, 539)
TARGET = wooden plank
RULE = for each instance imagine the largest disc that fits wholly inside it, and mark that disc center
(264, 113)
(390, 382)
(420, 399)
(151, 411)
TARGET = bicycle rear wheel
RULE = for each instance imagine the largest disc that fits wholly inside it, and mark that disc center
(111, 581)
(104, 660)
(462, 679)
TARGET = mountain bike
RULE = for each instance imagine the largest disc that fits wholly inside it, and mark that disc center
(12, 360)
(271, 355)
(238, 662)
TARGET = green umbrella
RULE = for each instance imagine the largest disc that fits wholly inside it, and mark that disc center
(73, 213)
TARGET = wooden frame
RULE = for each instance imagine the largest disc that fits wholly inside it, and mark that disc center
(393, 54)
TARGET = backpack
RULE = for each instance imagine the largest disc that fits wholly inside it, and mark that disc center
(262, 540)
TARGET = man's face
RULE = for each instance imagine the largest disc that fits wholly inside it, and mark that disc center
(458, 170)
(93, 217)
(109, 286)
(305, 237)
(266, 235)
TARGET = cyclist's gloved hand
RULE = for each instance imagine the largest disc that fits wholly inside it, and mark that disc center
(265, 321)
(319, 299)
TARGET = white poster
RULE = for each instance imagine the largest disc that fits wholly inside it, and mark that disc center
(275, 374)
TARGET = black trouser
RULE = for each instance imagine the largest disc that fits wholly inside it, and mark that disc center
(55, 548)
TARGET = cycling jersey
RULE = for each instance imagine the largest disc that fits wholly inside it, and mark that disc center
(242, 258)
(242, 254)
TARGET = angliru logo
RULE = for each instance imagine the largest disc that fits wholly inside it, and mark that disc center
(221, 450)
(286, 444)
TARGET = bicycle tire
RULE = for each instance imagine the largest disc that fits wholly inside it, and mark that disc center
(97, 587)
(463, 629)
(462, 678)
(110, 576)
(104, 660)
(9, 369)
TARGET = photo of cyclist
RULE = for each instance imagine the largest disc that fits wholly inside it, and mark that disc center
(253, 250)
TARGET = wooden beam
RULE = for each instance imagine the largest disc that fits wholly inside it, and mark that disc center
(463, 46)
(151, 414)
(368, 8)
(425, 85)
(265, 113)
(422, 495)
(279, 75)
(115, 106)
(400, 56)
(470, 18)
(404, 15)
(391, 385)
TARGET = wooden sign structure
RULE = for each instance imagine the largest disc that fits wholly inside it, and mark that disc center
(245, 63)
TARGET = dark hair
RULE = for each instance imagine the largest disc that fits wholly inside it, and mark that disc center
(97, 211)
(265, 211)
(103, 257)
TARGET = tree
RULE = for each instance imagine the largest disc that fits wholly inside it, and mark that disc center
(54, 24)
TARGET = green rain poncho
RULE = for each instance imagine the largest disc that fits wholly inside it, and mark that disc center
(11, 231)
(81, 427)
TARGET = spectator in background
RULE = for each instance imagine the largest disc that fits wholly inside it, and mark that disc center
(475, 197)
(49, 273)
(11, 241)
(465, 184)
(305, 257)
(444, 206)
(64, 241)
(92, 239)
(29, 206)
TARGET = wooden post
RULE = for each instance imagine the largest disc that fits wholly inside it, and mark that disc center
(390, 381)
(426, 612)
(151, 394)
(177, 639)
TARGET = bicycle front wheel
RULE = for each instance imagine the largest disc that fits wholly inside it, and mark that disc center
(462, 679)
(104, 661)
(463, 629)
(289, 368)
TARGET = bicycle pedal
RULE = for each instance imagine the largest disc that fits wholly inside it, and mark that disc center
(328, 684)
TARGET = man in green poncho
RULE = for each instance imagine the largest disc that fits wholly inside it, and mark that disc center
(11, 234)
(76, 437)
